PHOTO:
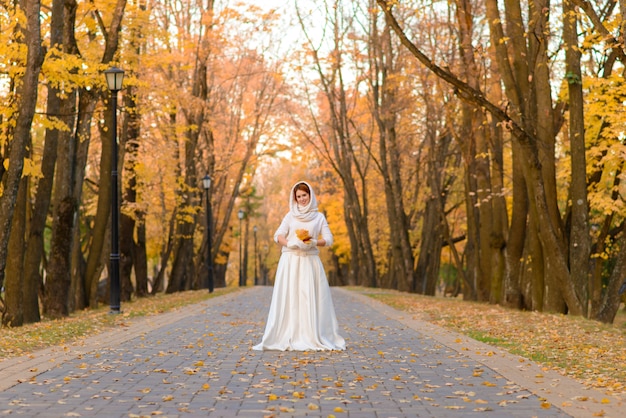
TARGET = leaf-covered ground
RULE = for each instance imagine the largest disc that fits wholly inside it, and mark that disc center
(588, 351)
(28, 338)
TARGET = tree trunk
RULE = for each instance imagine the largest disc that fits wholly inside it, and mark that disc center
(26, 96)
(500, 222)
(433, 235)
(57, 288)
(612, 300)
(58, 280)
(140, 258)
(182, 274)
(354, 272)
(78, 145)
(57, 297)
(246, 241)
(541, 118)
(130, 214)
(579, 237)
(13, 315)
(159, 280)
(33, 280)
(385, 104)
(478, 172)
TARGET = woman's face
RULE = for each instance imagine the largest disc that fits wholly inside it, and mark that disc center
(302, 197)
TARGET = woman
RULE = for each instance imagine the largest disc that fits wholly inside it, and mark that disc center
(301, 316)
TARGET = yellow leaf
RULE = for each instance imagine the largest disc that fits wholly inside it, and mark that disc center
(167, 398)
(313, 407)
(31, 169)
(338, 409)
(546, 405)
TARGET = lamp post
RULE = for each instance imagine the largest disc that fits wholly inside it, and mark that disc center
(114, 77)
(266, 251)
(206, 183)
(256, 279)
(240, 215)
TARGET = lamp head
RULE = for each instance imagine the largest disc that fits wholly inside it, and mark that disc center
(206, 182)
(241, 214)
(115, 77)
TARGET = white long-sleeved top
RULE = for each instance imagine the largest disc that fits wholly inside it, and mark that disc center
(316, 227)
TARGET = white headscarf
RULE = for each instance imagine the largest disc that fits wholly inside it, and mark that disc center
(303, 213)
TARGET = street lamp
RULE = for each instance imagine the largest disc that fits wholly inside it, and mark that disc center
(264, 271)
(240, 215)
(206, 183)
(114, 77)
(256, 279)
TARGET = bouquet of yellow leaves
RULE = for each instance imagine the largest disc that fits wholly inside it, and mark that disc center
(303, 235)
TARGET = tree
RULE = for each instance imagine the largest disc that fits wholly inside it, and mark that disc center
(334, 140)
(385, 72)
(34, 251)
(26, 100)
(540, 232)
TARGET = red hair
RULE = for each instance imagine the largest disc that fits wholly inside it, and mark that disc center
(303, 187)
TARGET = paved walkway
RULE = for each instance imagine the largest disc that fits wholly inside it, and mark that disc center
(197, 362)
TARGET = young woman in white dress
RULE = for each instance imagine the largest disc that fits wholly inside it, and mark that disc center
(302, 315)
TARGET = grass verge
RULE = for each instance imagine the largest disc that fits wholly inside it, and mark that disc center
(31, 337)
(588, 351)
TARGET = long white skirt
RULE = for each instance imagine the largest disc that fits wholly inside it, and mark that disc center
(302, 315)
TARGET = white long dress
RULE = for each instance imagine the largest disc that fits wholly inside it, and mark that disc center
(301, 316)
